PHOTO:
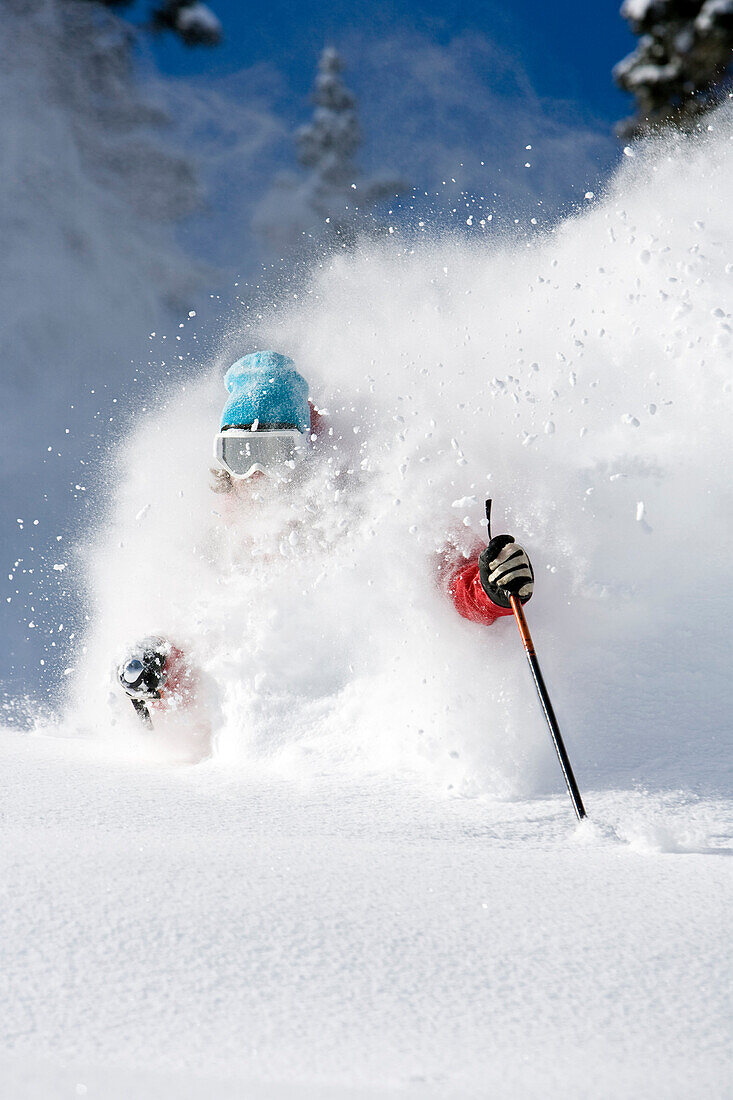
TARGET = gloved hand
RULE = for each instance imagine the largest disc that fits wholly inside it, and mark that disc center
(142, 673)
(505, 570)
(220, 481)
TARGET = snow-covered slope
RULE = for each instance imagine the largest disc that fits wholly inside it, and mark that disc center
(202, 933)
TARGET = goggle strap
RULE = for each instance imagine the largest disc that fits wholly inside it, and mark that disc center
(276, 427)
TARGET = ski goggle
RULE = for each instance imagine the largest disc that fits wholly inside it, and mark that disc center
(243, 452)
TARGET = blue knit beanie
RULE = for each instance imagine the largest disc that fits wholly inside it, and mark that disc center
(265, 386)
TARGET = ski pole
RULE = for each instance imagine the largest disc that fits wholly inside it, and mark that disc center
(539, 683)
(141, 710)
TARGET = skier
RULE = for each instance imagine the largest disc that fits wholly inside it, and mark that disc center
(268, 428)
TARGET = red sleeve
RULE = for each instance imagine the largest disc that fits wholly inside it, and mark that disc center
(469, 598)
(317, 420)
(179, 687)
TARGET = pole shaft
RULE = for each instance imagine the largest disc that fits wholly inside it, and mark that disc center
(141, 709)
(547, 708)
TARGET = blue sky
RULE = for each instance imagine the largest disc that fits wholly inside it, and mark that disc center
(568, 47)
(449, 97)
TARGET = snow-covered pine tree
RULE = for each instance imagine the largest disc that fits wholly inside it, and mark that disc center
(328, 144)
(682, 64)
(90, 190)
(332, 204)
(192, 21)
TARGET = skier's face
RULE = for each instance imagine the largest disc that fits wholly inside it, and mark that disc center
(252, 487)
(261, 487)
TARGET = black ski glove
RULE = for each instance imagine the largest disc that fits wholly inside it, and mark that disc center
(504, 570)
(142, 673)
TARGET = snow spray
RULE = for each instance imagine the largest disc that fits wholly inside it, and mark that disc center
(584, 373)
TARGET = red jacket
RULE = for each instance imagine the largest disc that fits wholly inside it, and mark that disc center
(469, 598)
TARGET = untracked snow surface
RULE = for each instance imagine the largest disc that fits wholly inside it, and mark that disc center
(356, 873)
(197, 933)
